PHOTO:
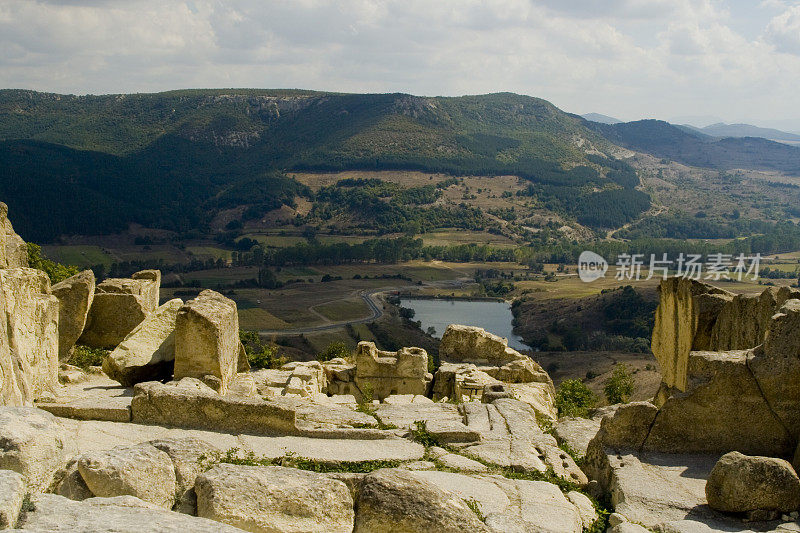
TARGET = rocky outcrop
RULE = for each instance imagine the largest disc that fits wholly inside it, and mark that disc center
(524, 379)
(148, 352)
(207, 339)
(142, 471)
(761, 486)
(13, 250)
(187, 456)
(33, 444)
(398, 501)
(119, 305)
(75, 296)
(274, 499)
(28, 336)
(385, 373)
(298, 378)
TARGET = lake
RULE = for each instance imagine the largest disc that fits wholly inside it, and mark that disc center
(494, 317)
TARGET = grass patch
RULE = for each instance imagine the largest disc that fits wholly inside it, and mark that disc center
(420, 434)
(234, 456)
(84, 357)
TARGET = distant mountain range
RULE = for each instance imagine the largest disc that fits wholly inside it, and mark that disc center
(173, 160)
(746, 130)
(694, 147)
(602, 119)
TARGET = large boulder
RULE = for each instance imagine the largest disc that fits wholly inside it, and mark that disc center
(148, 352)
(470, 344)
(274, 499)
(207, 339)
(13, 250)
(743, 484)
(28, 336)
(460, 381)
(34, 444)
(385, 373)
(398, 501)
(141, 470)
(187, 455)
(743, 322)
(125, 514)
(119, 305)
(75, 295)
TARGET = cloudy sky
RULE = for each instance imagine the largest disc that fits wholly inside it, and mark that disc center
(735, 60)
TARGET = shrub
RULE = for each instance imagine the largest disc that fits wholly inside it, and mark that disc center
(260, 355)
(573, 398)
(619, 387)
(84, 356)
(334, 350)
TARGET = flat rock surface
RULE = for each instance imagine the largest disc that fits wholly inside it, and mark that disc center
(111, 515)
(576, 432)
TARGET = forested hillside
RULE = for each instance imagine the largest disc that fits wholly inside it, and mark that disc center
(172, 160)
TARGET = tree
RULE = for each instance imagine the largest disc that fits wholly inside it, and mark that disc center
(56, 271)
(619, 387)
(573, 398)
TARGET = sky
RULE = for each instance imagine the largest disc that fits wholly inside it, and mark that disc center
(699, 61)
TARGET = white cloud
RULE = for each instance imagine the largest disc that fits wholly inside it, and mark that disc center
(784, 30)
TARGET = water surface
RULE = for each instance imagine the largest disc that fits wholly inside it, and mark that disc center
(494, 317)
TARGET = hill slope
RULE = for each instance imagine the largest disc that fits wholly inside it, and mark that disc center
(173, 159)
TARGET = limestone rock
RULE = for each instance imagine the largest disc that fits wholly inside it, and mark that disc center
(274, 499)
(306, 378)
(539, 506)
(722, 410)
(28, 336)
(387, 373)
(540, 396)
(148, 352)
(207, 339)
(189, 403)
(399, 501)
(776, 366)
(75, 295)
(33, 444)
(187, 455)
(470, 344)
(12, 492)
(462, 381)
(57, 514)
(119, 305)
(740, 483)
(141, 470)
(13, 250)
(584, 507)
(72, 485)
(743, 322)
(576, 432)
(685, 316)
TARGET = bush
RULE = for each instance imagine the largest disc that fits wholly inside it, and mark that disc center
(573, 398)
(260, 355)
(334, 350)
(85, 357)
(619, 387)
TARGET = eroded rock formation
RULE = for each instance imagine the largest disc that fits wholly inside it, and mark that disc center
(385, 373)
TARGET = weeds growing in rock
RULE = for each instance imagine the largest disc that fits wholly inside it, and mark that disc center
(420, 434)
(236, 457)
(474, 506)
